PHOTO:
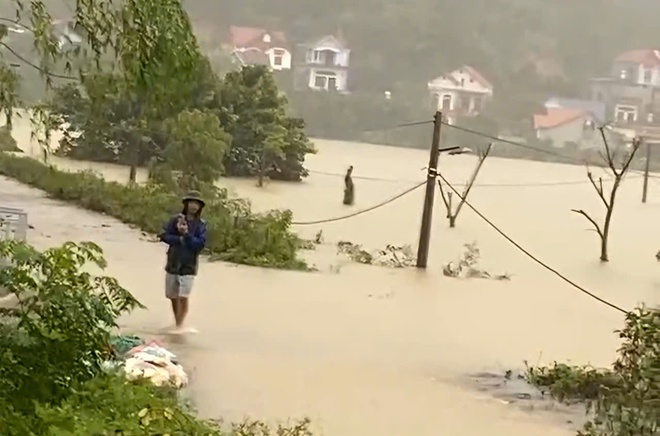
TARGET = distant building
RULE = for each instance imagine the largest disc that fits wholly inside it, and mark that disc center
(322, 64)
(254, 46)
(567, 126)
(631, 93)
(595, 108)
(463, 92)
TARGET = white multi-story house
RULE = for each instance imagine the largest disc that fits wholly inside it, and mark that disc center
(322, 64)
(253, 46)
(631, 93)
(462, 92)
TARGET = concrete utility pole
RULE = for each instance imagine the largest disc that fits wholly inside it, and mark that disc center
(427, 215)
(645, 187)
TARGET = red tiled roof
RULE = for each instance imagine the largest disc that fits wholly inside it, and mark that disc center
(556, 117)
(646, 57)
(251, 37)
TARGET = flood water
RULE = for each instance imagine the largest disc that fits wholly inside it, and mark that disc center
(366, 350)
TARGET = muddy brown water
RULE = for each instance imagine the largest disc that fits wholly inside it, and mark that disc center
(365, 350)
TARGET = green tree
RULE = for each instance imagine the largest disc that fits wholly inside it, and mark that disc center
(197, 146)
(101, 123)
(145, 51)
(272, 151)
(254, 112)
(61, 313)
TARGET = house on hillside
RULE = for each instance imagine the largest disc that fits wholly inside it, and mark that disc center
(463, 92)
(254, 46)
(567, 127)
(322, 64)
(595, 108)
(631, 93)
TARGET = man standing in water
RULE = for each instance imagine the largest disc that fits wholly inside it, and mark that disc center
(349, 188)
(186, 236)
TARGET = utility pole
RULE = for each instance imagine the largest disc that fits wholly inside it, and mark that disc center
(646, 172)
(427, 215)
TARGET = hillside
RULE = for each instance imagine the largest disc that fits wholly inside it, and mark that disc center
(529, 49)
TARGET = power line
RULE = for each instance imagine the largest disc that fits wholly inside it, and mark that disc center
(372, 179)
(26, 61)
(531, 256)
(35, 66)
(514, 143)
(360, 212)
(482, 185)
(540, 150)
(397, 126)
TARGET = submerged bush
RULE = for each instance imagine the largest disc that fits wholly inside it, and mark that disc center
(236, 234)
(623, 400)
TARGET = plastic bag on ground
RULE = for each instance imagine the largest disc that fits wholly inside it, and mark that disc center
(157, 370)
(154, 348)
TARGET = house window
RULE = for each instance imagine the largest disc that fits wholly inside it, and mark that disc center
(278, 57)
(649, 118)
(325, 80)
(623, 74)
(625, 114)
(315, 57)
(446, 102)
(648, 76)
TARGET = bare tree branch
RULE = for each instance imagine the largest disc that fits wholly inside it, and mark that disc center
(618, 175)
(636, 143)
(591, 220)
(599, 188)
(609, 159)
(475, 173)
(444, 198)
(447, 197)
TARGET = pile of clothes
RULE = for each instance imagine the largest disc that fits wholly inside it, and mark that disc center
(150, 361)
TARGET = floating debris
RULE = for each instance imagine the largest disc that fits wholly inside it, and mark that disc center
(466, 266)
(391, 256)
(310, 244)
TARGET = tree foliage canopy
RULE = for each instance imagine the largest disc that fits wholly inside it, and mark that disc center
(138, 65)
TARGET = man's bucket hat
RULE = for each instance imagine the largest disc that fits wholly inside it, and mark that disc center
(194, 196)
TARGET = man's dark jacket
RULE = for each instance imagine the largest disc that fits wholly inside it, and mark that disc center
(183, 252)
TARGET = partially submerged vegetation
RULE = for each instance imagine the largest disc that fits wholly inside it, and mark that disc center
(236, 234)
(623, 400)
(467, 266)
(64, 313)
(391, 256)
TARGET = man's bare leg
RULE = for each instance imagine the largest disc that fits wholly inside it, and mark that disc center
(183, 310)
(176, 310)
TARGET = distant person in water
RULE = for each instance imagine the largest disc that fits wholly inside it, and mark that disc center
(186, 236)
(349, 187)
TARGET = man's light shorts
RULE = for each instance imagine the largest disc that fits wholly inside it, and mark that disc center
(178, 286)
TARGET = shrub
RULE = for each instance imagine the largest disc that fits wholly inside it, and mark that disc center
(55, 336)
(52, 347)
(235, 234)
(109, 403)
(7, 141)
(623, 400)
